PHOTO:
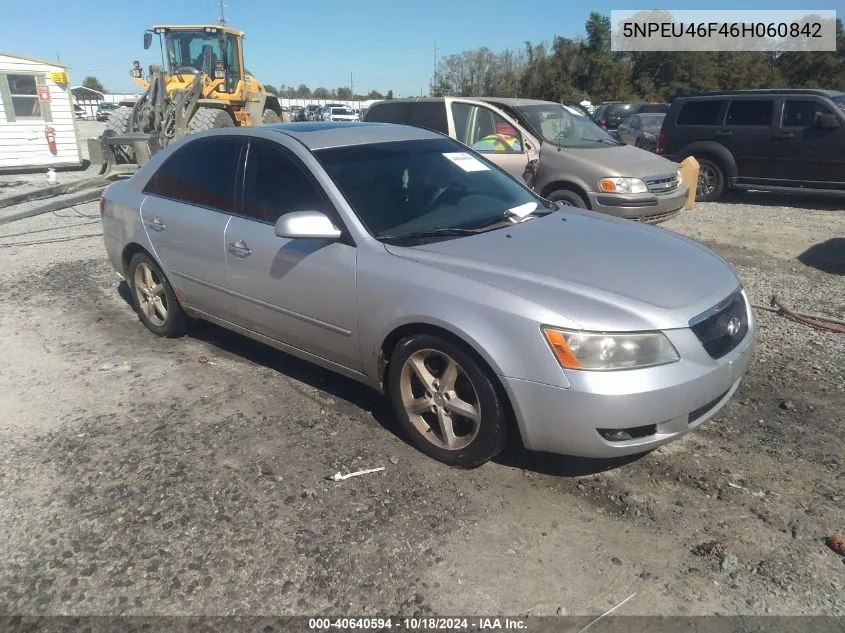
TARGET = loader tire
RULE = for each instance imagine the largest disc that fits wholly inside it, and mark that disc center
(209, 119)
(118, 122)
(270, 117)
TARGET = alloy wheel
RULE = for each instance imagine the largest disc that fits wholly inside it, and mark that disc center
(150, 294)
(440, 399)
(706, 184)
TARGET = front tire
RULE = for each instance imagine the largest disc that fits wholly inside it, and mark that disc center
(118, 123)
(446, 401)
(568, 198)
(711, 180)
(155, 302)
(209, 119)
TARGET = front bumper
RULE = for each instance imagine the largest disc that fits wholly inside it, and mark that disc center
(645, 207)
(673, 399)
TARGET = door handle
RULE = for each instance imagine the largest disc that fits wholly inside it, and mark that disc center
(785, 135)
(240, 249)
(157, 225)
(725, 133)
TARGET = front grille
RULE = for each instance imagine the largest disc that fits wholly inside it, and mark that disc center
(721, 328)
(664, 183)
(656, 218)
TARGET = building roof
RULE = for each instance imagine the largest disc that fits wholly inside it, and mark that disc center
(86, 94)
(34, 59)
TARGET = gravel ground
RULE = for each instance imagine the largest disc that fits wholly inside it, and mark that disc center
(148, 476)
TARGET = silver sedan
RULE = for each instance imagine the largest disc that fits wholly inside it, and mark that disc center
(402, 259)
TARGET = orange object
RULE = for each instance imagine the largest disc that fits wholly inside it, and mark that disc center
(50, 135)
(561, 349)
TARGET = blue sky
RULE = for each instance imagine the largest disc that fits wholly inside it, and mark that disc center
(385, 44)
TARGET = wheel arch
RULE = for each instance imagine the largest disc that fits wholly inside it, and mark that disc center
(129, 251)
(713, 151)
(458, 338)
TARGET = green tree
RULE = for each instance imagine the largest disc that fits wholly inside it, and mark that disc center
(93, 83)
(321, 93)
(271, 89)
(303, 92)
(343, 93)
(375, 94)
(389, 94)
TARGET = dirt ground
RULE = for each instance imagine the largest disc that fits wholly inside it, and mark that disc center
(148, 476)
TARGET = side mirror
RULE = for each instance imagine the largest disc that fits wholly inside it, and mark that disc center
(827, 121)
(312, 225)
(148, 39)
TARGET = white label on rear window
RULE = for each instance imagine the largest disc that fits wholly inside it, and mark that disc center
(466, 162)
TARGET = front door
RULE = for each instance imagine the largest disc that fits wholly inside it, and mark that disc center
(803, 150)
(487, 131)
(188, 203)
(300, 292)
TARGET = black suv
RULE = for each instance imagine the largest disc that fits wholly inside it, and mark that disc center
(773, 140)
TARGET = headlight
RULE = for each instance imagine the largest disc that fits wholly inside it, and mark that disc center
(601, 351)
(622, 185)
(680, 176)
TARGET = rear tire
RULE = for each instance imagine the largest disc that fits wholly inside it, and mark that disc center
(711, 180)
(568, 198)
(155, 302)
(270, 117)
(209, 119)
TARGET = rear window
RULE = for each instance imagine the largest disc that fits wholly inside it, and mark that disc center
(700, 113)
(750, 112)
(653, 107)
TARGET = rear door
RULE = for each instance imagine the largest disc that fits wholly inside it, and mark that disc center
(804, 151)
(749, 133)
(188, 204)
(628, 129)
(300, 292)
(492, 133)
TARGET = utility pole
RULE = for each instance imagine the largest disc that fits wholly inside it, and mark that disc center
(434, 76)
(222, 19)
(351, 88)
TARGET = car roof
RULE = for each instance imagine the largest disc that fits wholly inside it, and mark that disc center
(325, 134)
(765, 91)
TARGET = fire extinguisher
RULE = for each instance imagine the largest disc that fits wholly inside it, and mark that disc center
(50, 135)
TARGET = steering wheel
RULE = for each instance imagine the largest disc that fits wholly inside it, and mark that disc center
(453, 187)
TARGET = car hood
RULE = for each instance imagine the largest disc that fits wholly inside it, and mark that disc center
(605, 162)
(594, 271)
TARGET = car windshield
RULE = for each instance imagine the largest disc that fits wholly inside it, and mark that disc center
(839, 100)
(652, 122)
(403, 187)
(342, 111)
(557, 125)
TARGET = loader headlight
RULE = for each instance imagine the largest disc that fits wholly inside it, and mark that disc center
(604, 351)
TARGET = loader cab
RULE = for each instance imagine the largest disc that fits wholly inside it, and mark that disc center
(211, 50)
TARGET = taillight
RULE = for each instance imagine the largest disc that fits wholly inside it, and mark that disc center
(661, 141)
(102, 206)
(604, 123)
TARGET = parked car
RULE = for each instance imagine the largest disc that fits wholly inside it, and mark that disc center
(105, 110)
(609, 115)
(641, 130)
(297, 113)
(400, 258)
(312, 112)
(79, 112)
(773, 140)
(563, 156)
(342, 113)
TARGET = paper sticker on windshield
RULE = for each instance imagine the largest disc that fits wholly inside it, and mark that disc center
(466, 161)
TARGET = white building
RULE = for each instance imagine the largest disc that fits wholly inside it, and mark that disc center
(35, 103)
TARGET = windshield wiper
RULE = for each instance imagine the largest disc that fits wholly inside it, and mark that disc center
(429, 233)
(607, 141)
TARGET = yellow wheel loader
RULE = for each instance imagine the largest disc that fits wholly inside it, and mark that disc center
(201, 84)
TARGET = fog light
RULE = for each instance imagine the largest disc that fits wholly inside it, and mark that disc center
(631, 433)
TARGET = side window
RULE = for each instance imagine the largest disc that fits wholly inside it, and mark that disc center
(388, 113)
(700, 113)
(802, 113)
(484, 130)
(750, 112)
(24, 94)
(276, 183)
(430, 115)
(202, 173)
